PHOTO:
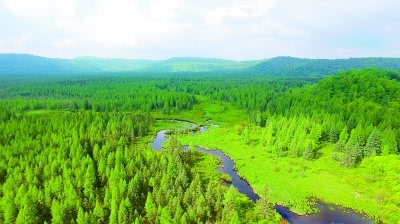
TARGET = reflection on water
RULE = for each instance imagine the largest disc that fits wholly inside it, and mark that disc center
(327, 214)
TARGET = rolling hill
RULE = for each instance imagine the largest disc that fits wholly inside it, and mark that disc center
(23, 64)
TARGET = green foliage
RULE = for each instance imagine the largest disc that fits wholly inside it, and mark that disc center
(373, 145)
(309, 152)
(74, 149)
(389, 143)
(264, 207)
(290, 66)
(85, 167)
(333, 134)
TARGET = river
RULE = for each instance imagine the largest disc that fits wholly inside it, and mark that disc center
(328, 214)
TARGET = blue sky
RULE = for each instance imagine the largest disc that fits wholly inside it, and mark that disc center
(231, 29)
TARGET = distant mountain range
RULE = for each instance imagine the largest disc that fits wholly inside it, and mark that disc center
(23, 64)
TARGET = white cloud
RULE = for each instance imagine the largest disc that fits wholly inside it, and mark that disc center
(14, 45)
(124, 23)
(239, 10)
(64, 43)
(39, 10)
(237, 29)
(17, 42)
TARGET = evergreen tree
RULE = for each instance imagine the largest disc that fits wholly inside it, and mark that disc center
(264, 207)
(358, 151)
(229, 203)
(165, 217)
(373, 145)
(333, 134)
(349, 158)
(389, 143)
(28, 212)
(342, 140)
(150, 208)
(178, 214)
(56, 212)
(309, 152)
(343, 136)
(235, 218)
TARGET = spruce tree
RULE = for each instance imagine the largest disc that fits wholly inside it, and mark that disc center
(349, 158)
(333, 134)
(389, 143)
(309, 152)
(373, 145)
(264, 207)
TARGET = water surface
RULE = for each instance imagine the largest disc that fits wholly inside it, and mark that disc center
(328, 214)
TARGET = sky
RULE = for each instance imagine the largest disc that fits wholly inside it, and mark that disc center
(230, 29)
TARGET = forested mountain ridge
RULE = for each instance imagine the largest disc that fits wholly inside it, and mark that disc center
(20, 64)
(23, 64)
(113, 64)
(344, 93)
(195, 64)
(289, 66)
(369, 86)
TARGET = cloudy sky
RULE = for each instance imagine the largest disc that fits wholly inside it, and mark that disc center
(232, 29)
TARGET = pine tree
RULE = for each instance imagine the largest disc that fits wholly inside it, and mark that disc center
(56, 212)
(178, 214)
(309, 152)
(315, 135)
(356, 136)
(165, 217)
(389, 143)
(343, 136)
(201, 207)
(333, 134)
(349, 158)
(123, 216)
(28, 212)
(229, 203)
(358, 152)
(81, 219)
(114, 211)
(235, 218)
(265, 208)
(98, 212)
(185, 219)
(339, 147)
(373, 145)
(150, 208)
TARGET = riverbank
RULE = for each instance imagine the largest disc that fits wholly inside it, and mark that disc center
(326, 212)
(291, 180)
(366, 188)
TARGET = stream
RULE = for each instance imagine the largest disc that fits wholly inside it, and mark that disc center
(328, 214)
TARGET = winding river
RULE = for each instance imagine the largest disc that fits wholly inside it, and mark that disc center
(328, 214)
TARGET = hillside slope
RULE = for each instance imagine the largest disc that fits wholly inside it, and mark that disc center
(290, 66)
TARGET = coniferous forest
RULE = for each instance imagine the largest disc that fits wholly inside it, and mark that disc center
(76, 148)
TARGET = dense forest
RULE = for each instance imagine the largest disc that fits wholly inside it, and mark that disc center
(74, 149)
(84, 167)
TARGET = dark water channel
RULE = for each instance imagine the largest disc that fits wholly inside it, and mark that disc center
(328, 214)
